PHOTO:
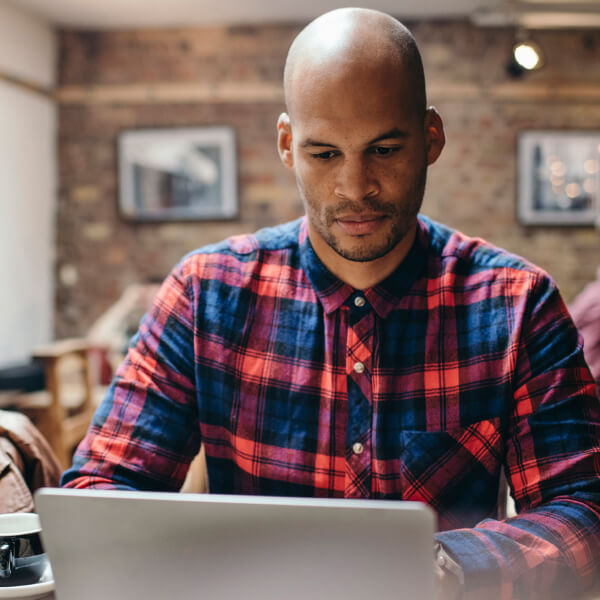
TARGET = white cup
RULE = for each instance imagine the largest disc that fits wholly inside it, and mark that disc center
(22, 558)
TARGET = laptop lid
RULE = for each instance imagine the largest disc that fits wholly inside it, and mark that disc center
(117, 545)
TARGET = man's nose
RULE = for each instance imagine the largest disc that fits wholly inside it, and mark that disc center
(355, 180)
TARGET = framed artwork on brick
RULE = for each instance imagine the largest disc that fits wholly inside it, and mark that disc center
(558, 178)
(178, 174)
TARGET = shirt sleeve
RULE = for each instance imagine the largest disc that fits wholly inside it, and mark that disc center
(551, 549)
(145, 432)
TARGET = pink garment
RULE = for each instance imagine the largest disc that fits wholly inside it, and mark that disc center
(585, 311)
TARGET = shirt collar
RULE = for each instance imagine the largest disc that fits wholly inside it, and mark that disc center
(383, 297)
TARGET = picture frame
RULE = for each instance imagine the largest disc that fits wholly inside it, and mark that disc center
(178, 174)
(558, 177)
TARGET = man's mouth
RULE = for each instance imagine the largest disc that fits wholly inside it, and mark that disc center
(363, 224)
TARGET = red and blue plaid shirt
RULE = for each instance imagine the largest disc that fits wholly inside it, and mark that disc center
(460, 364)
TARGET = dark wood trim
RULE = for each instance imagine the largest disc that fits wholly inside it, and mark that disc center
(28, 86)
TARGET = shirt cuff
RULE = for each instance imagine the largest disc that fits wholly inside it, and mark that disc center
(447, 564)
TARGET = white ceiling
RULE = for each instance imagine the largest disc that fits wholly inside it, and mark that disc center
(128, 14)
(100, 14)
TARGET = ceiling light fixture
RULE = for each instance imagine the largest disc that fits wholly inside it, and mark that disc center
(526, 56)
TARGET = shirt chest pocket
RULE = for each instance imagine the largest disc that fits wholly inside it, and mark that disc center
(456, 471)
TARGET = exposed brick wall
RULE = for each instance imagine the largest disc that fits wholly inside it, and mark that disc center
(473, 186)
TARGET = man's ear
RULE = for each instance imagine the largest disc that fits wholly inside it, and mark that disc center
(284, 140)
(435, 139)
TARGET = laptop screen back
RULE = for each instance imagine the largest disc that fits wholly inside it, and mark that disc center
(112, 545)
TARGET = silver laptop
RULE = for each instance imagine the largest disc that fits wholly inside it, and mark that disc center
(112, 545)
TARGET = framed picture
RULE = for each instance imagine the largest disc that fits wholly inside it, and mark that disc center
(559, 178)
(178, 174)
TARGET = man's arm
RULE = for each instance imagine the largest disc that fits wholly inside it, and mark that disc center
(145, 432)
(551, 549)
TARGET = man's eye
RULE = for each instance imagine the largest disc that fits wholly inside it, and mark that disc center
(324, 155)
(383, 150)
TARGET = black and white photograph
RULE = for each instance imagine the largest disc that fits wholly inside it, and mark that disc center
(558, 177)
(178, 174)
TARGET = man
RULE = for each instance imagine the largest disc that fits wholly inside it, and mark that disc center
(366, 351)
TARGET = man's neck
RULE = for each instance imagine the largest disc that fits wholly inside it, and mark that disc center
(361, 275)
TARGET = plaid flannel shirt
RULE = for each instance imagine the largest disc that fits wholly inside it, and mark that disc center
(462, 363)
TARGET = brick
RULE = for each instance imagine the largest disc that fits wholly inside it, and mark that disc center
(472, 187)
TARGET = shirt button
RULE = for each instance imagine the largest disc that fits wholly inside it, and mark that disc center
(359, 301)
(357, 448)
(359, 367)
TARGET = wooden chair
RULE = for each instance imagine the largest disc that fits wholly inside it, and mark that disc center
(63, 411)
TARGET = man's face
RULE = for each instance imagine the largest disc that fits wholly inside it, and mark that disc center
(359, 152)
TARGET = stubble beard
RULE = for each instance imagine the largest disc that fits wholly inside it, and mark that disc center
(402, 219)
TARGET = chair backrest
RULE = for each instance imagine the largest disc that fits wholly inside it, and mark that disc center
(63, 411)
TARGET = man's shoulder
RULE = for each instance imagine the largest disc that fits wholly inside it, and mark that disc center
(280, 237)
(250, 248)
(465, 252)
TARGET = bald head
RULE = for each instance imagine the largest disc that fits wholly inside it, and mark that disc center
(349, 43)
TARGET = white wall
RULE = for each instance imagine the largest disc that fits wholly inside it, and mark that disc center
(28, 185)
(27, 46)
